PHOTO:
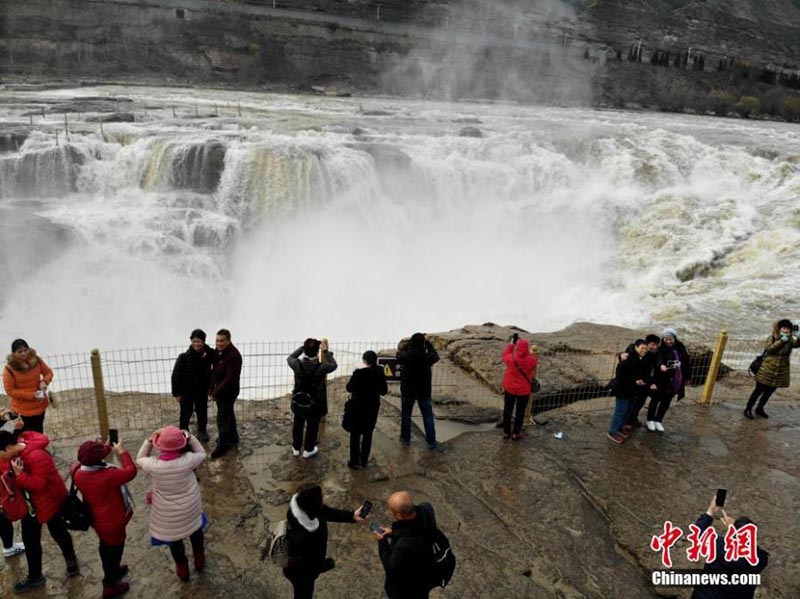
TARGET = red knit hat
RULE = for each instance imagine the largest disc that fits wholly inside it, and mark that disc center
(91, 453)
(171, 438)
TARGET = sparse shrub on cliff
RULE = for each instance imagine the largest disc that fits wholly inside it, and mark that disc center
(772, 102)
(721, 102)
(747, 106)
(791, 109)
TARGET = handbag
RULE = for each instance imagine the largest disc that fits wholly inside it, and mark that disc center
(14, 502)
(755, 365)
(76, 514)
(536, 386)
(348, 418)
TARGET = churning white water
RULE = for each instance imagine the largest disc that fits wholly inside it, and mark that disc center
(281, 217)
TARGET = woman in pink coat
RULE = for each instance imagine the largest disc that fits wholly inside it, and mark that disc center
(176, 510)
(520, 369)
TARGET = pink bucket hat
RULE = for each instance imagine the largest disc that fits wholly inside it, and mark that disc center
(171, 438)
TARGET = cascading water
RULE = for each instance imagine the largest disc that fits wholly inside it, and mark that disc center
(308, 216)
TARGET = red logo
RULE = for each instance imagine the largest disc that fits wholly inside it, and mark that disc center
(741, 543)
(665, 541)
(702, 545)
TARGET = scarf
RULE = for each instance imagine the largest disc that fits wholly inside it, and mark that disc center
(310, 524)
(677, 382)
(127, 498)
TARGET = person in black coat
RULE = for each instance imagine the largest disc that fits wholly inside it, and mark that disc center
(366, 385)
(649, 362)
(632, 379)
(405, 549)
(416, 359)
(672, 373)
(307, 535)
(225, 389)
(721, 566)
(191, 382)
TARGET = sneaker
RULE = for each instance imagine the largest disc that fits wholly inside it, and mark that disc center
(506, 435)
(659, 427)
(748, 413)
(616, 438)
(625, 431)
(15, 549)
(200, 561)
(516, 437)
(182, 570)
(115, 590)
(219, 451)
(28, 583)
(203, 437)
(761, 412)
(651, 425)
(73, 569)
(353, 466)
(311, 454)
(295, 452)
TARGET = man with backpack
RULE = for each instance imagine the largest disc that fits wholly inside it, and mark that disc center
(415, 554)
(309, 383)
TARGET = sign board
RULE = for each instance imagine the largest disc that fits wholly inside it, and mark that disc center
(390, 367)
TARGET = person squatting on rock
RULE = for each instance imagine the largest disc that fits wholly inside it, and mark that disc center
(672, 374)
(517, 384)
(307, 534)
(309, 382)
(10, 548)
(224, 391)
(26, 378)
(633, 379)
(104, 489)
(366, 385)
(416, 358)
(721, 566)
(176, 508)
(405, 548)
(36, 472)
(191, 383)
(775, 368)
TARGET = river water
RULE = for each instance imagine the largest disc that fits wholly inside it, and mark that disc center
(282, 216)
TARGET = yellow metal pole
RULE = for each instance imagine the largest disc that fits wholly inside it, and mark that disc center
(713, 370)
(99, 393)
(528, 420)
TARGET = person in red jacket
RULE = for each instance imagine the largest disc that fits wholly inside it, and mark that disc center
(103, 488)
(520, 368)
(37, 474)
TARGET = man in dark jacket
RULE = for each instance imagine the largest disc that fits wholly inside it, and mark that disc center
(649, 362)
(309, 378)
(225, 390)
(721, 566)
(405, 549)
(191, 382)
(416, 359)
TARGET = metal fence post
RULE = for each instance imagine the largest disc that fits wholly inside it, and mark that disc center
(99, 393)
(713, 369)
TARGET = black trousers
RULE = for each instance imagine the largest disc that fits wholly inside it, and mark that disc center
(32, 537)
(33, 423)
(311, 427)
(512, 401)
(763, 391)
(226, 423)
(178, 551)
(199, 405)
(6, 531)
(111, 557)
(659, 404)
(360, 446)
(303, 586)
(633, 415)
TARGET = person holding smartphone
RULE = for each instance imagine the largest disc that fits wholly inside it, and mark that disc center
(775, 369)
(103, 487)
(307, 532)
(26, 379)
(672, 374)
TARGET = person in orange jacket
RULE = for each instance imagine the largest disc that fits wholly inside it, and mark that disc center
(26, 378)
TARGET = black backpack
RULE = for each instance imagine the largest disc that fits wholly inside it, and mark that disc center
(444, 560)
(304, 398)
(76, 513)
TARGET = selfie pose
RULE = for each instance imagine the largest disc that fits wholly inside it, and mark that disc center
(672, 374)
(775, 369)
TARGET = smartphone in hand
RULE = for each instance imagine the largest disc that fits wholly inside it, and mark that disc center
(722, 494)
(113, 436)
(366, 508)
(374, 527)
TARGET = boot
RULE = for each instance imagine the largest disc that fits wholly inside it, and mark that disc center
(115, 590)
(182, 570)
(760, 412)
(199, 561)
(748, 412)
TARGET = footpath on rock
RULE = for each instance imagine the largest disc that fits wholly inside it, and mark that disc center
(547, 517)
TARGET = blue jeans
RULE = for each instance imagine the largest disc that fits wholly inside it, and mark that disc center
(621, 411)
(426, 409)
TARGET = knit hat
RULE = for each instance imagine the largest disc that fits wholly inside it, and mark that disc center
(19, 344)
(91, 453)
(198, 334)
(171, 438)
(669, 332)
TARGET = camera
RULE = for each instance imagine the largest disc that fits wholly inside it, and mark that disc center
(796, 327)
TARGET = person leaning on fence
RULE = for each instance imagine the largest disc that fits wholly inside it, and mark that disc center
(309, 381)
(10, 548)
(307, 534)
(672, 374)
(191, 383)
(36, 473)
(775, 368)
(416, 358)
(517, 384)
(103, 487)
(225, 390)
(366, 385)
(632, 379)
(176, 508)
(26, 378)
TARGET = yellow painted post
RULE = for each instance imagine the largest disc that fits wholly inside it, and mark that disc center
(99, 393)
(528, 420)
(713, 369)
